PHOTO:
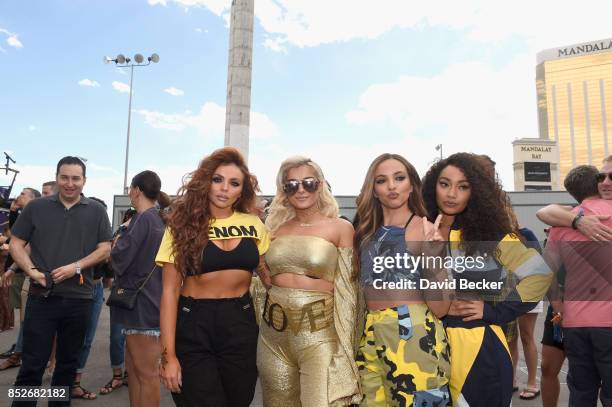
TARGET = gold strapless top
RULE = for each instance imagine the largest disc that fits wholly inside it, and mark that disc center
(315, 256)
(312, 256)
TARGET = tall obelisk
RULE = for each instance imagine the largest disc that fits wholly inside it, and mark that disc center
(238, 106)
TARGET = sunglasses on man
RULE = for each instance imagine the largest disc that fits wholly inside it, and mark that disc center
(310, 184)
(602, 176)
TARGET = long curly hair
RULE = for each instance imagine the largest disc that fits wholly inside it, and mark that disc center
(190, 215)
(485, 219)
(489, 165)
(281, 211)
(369, 209)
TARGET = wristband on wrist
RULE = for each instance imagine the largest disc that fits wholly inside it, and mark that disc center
(78, 272)
(577, 220)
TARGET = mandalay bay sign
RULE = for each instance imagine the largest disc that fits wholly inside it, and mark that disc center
(585, 49)
(593, 47)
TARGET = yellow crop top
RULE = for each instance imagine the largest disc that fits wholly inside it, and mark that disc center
(311, 256)
(239, 225)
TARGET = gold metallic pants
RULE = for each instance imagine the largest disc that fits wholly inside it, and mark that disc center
(296, 342)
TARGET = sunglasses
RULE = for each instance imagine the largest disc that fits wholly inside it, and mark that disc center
(602, 176)
(310, 184)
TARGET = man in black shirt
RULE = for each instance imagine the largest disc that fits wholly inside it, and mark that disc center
(68, 235)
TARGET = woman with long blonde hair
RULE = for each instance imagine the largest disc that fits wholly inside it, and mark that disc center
(403, 356)
(305, 354)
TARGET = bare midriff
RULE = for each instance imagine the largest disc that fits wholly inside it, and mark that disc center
(218, 284)
(382, 299)
(302, 282)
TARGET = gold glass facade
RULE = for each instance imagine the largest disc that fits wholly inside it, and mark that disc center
(575, 107)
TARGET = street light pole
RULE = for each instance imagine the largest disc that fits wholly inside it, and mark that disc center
(127, 144)
(122, 62)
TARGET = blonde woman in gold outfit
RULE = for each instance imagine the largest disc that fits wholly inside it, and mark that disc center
(305, 353)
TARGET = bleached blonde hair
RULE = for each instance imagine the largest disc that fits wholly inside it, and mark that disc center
(281, 210)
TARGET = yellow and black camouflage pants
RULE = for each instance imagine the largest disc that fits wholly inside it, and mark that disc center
(403, 358)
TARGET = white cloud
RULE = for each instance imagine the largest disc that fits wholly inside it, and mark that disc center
(101, 168)
(201, 30)
(172, 175)
(31, 127)
(209, 122)
(469, 104)
(14, 42)
(159, 120)
(262, 127)
(309, 23)
(174, 91)
(216, 6)
(276, 44)
(12, 39)
(32, 176)
(89, 82)
(121, 87)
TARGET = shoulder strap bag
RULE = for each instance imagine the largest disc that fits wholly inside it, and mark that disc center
(126, 297)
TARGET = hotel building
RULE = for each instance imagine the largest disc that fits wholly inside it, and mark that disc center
(574, 96)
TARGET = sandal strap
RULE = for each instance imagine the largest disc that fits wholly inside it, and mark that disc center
(85, 394)
(110, 386)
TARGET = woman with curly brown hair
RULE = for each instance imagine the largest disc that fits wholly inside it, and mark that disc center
(484, 249)
(209, 250)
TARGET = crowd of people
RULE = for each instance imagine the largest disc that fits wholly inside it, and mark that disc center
(214, 290)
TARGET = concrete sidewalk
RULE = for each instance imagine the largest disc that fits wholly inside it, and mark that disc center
(98, 372)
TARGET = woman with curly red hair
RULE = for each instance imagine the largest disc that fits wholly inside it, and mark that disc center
(211, 246)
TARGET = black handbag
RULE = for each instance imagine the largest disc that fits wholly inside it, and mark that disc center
(126, 297)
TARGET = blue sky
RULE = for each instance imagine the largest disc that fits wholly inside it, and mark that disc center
(340, 81)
